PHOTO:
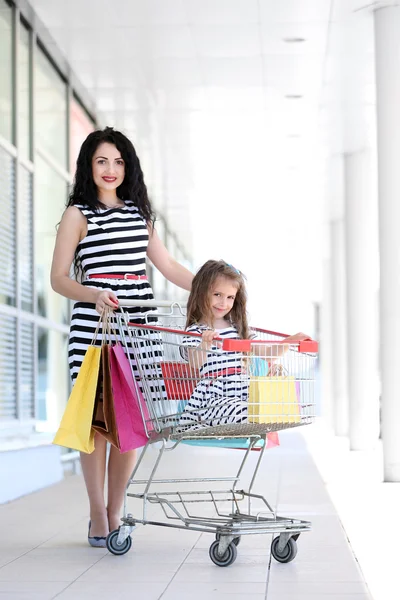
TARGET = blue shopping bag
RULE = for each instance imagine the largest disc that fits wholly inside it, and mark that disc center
(236, 443)
(258, 367)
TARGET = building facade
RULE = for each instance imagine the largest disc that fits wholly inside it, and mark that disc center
(45, 114)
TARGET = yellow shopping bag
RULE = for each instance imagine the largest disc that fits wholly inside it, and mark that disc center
(273, 400)
(75, 430)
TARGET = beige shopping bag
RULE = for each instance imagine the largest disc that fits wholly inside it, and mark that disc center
(273, 400)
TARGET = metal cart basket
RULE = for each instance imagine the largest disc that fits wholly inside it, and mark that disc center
(231, 390)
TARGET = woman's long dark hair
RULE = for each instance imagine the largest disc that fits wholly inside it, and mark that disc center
(198, 307)
(133, 187)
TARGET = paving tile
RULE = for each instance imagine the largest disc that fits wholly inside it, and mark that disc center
(238, 572)
(343, 570)
(116, 590)
(124, 568)
(215, 595)
(27, 590)
(241, 590)
(57, 569)
(294, 588)
(8, 556)
(319, 596)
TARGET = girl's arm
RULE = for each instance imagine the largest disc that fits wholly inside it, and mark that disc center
(163, 261)
(71, 231)
(198, 356)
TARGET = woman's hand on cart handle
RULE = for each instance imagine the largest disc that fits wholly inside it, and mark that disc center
(106, 299)
(277, 350)
(297, 337)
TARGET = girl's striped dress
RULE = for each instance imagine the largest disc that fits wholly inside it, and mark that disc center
(221, 397)
(116, 243)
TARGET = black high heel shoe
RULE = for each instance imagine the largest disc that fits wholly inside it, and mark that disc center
(96, 541)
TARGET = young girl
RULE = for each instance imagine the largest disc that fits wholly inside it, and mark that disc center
(107, 231)
(217, 308)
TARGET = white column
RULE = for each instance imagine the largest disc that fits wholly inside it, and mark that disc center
(339, 348)
(325, 351)
(361, 233)
(335, 285)
(387, 49)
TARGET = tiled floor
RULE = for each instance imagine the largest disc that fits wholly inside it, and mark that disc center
(44, 554)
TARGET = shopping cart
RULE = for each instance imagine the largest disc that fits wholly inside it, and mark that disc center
(278, 381)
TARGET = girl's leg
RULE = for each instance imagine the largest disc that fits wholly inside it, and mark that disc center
(120, 467)
(94, 473)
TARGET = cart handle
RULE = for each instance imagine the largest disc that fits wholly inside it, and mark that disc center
(172, 303)
(269, 331)
(232, 345)
(151, 303)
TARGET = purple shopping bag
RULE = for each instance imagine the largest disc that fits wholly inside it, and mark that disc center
(128, 399)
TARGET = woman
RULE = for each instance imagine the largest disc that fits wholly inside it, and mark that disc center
(107, 231)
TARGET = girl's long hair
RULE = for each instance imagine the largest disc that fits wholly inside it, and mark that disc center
(199, 309)
(133, 187)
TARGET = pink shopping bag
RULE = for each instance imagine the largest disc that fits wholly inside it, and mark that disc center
(128, 399)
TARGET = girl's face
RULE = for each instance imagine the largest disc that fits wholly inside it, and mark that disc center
(222, 297)
(108, 168)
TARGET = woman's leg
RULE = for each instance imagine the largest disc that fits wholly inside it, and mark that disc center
(120, 467)
(94, 473)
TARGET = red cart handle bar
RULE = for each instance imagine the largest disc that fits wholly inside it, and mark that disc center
(232, 345)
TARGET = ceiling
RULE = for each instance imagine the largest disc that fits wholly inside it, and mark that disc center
(232, 105)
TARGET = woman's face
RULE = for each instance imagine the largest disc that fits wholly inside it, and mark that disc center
(108, 167)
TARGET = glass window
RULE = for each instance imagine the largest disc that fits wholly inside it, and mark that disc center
(53, 382)
(172, 289)
(8, 368)
(50, 197)
(26, 365)
(6, 71)
(24, 89)
(161, 229)
(150, 272)
(159, 282)
(80, 127)
(7, 229)
(51, 109)
(26, 239)
(180, 293)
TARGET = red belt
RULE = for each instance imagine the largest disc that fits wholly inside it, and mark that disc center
(115, 276)
(228, 371)
(208, 379)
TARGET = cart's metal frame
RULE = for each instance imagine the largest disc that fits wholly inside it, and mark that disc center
(228, 526)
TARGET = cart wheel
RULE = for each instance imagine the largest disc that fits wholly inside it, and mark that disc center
(115, 548)
(235, 540)
(226, 559)
(287, 554)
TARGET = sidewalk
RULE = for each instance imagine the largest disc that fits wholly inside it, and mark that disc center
(44, 554)
(367, 506)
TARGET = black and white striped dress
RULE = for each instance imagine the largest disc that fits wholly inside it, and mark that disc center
(116, 243)
(221, 397)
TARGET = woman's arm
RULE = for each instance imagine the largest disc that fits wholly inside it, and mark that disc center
(71, 231)
(277, 350)
(163, 261)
